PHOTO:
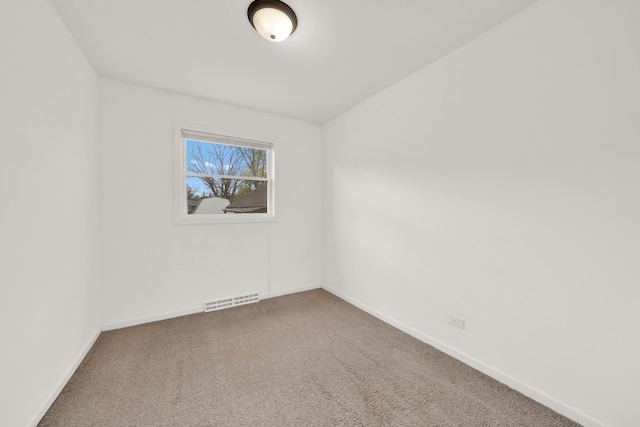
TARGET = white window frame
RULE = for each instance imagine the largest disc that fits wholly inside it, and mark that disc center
(180, 214)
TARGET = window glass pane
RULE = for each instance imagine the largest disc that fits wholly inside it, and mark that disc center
(225, 196)
(219, 159)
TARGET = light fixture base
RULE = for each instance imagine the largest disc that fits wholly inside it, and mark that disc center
(272, 19)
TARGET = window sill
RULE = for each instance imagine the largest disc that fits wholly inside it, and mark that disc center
(222, 219)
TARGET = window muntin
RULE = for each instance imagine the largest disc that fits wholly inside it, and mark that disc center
(224, 179)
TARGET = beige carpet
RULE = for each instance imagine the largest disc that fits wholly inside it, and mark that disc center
(307, 359)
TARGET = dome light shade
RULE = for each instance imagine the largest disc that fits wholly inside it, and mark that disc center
(272, 19)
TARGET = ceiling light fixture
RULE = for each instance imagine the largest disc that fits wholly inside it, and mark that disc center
(272, 19)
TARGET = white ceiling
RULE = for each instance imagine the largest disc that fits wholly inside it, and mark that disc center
(343, 51)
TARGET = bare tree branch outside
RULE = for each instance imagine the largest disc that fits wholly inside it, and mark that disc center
(230, 163)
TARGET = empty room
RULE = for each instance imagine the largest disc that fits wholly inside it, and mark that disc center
(241, 213)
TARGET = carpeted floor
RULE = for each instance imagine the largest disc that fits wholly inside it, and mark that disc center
(307, 359)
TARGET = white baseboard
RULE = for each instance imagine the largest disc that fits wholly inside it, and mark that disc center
(63, 381)
(532, 392)
(289, 291)
(152, 318)
(193, 310)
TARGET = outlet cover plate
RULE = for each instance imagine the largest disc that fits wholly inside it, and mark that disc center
(456, 321)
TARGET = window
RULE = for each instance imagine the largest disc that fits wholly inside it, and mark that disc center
(223, 178)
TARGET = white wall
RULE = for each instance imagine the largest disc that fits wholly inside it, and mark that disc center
(49, 220)
(153, 268)
(500, 184)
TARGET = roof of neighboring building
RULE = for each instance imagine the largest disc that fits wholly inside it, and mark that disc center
(253, 201)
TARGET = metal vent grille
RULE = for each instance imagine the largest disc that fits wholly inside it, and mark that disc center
(227, 302)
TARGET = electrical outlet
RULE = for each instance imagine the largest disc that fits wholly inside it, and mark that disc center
(456, 321)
